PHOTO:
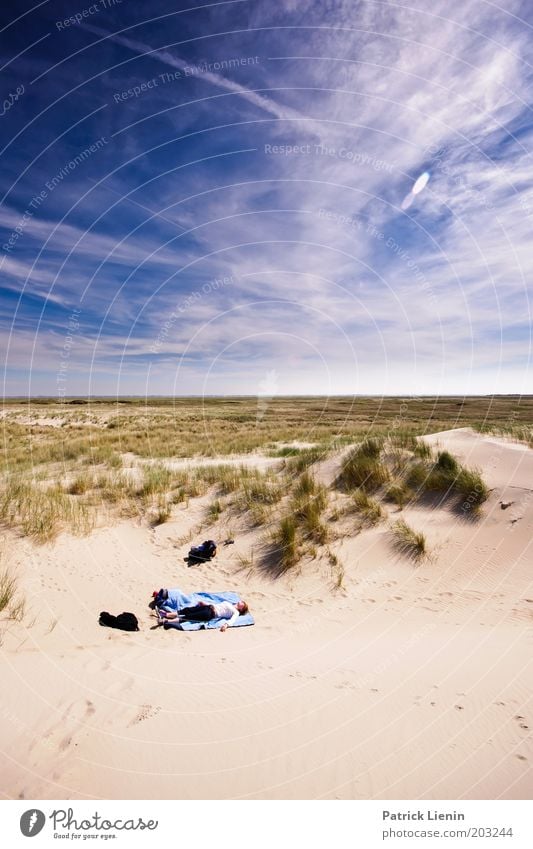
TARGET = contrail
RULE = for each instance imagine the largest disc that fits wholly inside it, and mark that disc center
(261, 101)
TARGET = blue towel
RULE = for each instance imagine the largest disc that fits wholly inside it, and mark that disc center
(178, 600)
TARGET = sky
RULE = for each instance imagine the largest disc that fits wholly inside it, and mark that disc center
(266, 198)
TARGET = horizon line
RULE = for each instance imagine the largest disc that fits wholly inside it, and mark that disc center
(70, 398)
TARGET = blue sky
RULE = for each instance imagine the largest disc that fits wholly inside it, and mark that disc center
(229, 198)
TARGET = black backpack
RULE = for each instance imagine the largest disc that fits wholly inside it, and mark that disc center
(202, 553)
(124, 621)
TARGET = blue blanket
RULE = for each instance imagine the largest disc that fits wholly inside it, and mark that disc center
(178, 600)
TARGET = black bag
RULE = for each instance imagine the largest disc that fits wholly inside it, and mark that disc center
(202, 553)
(124, 621)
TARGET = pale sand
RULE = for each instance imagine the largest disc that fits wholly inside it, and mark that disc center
(410, 682)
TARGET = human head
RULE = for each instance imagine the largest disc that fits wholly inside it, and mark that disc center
(242, 607)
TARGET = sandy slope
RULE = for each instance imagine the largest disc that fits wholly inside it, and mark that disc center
(408, 682)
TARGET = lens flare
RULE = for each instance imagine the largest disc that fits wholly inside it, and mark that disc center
(421, 183)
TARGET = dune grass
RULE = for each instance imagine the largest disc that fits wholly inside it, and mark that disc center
(285, 547)
(8, 589)
(261, 489)
(100, 431)
(368, 508)
(215, 510)
(521, 432)
(447, 476)
(41, 512)
(363, 468)
(285, 451)
(305, 458)
(12, 603)
(156, 479)
(81, 484)
(408, 541)
(69, 472)
(162, 511)
(398, 492)
(471, 486)
(309, 500)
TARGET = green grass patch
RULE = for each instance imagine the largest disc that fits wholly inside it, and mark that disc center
(363, 468)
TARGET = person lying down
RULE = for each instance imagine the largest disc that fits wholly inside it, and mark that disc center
(217, 610)
(203, 612)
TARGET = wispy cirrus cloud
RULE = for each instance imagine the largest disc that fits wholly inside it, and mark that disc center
(330, 277)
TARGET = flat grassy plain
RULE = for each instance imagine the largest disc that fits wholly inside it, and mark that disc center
(44, 431)
(64, 462)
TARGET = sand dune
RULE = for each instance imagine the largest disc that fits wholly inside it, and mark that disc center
(408, 682)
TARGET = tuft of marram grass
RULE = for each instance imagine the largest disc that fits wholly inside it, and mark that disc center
(81, 484)
(307, 457)
(309, 513)
(41, 512)
(162, 512)
(156, 479)
(285, 451)
(215, 509)
(369, 509)
(409, 541)
(363, 472)
(305, 486)
(285, 544)
(363, 468)
(12, 604)
(399, 493)
(371, 447)
(449, 477)
(472, 488)
(8, 589)
(261, 490)
(422, 449)
(309, 501)
(447, 463)
(17, 611)
(404, 439)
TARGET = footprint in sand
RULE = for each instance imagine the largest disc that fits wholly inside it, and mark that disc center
(77, 712)
(521, 757)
